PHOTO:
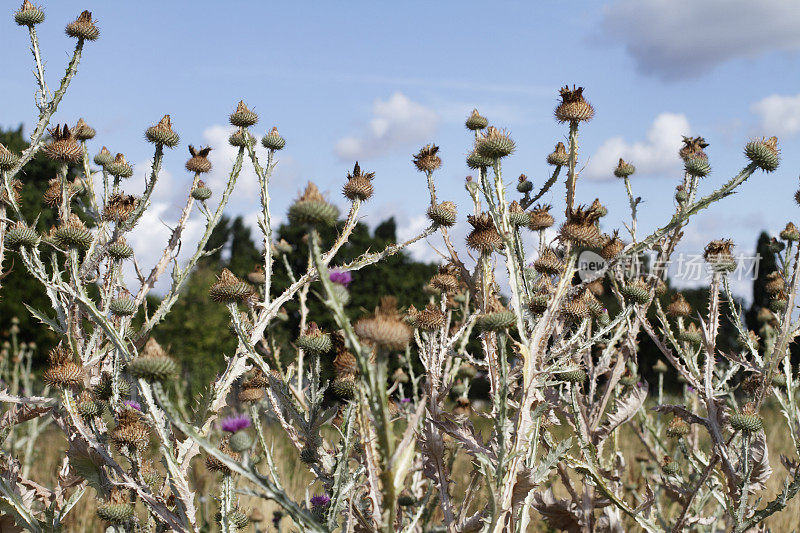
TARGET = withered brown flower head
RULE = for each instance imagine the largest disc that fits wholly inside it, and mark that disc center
(83, 28)
(199, 162)
(119, 207)
(52, 195)
(64, 147)
(426, 159)
(62, 371)
(612, 247)
(359, 184)
(573, 106)
(385, 327)
(229, 288)
(718, 250)
(484, 237)
(693, 147)
(548, 263)
(311, 194)
(540, 217)
(130, 430)
(580, 228)
(82, 131)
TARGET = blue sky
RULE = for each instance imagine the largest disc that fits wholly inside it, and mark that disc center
(374, 81)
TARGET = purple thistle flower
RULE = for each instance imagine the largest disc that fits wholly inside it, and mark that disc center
(405, 400)
(342, 277)
(133, 405)
(234, 423)
(321, 500)
(690, 389)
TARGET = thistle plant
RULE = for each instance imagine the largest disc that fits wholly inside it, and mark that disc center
(380, 438)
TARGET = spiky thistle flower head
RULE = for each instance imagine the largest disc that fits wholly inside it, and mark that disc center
(119, 167)
(427, 160)
(624, 169)
(235, 423)
(83, 28)
(311, 208)
(243, 117)
(359, 184)
(495, 143)
(342, 277)
(28, 14)
(229, 288)
(693, 147)
(162, 133)
(82, 131)
(573, 106)
(764, 153)
(718, 255)
(273, 140)
(483, 237)
(63, 146)
(199, 162)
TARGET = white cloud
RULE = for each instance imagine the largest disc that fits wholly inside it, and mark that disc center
(656, 154)
(397, 123)
(675, 39)
(778, 114)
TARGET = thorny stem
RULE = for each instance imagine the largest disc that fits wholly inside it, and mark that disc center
(573, 159)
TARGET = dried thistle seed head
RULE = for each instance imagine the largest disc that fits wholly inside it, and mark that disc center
(523, 184)
(52, 195)
(483, 237)
(63, 147)
(162, 133)
(693, 147)
(7, 158)
(83, 28)
(548, 263)
(718, 255)
(679, 306)
(88, 406)
(430, 318)
(130, 430)
(660, 367)
(345, 386)
(384, 330)
(496, 319)
(575, 308)
(103, 157)
(62, 371)
(426, 159)
(443, 214)
(445, 280)
(598, 209)
(747, 420)
(28, 14)
(540, 217)
(119, 168)
(775, 283)
(230, 289)
(241, 138)
(624, 169)
(251, 394)
(790, 233)
(517, 216)
(314, 340)
(477, 161)
(399, 376)
(119, 207)
(123, 306)
(21, 236)
(494, 144)
(199, 162)
(120, 250)
(273, 140)
(311, 208)
(359, 185)
(72, 234)
(243, 117)
(573, 106)
(697, 166)
(764, 153)
(637, 292)
(115, 512)
(475, 121)
(613, 247)
(559, 156)
(215, 465)
(580, 228)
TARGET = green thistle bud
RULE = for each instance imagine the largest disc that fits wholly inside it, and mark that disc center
(119, 168)
(524, 185)
(243, 117)
(624, 169)
(697, 166)
(237, 138)
(495, 144)
(691, 335)
(636, 292)
(496, 321)
(201, 192)
(315, 340)
(344, 387)
(670, 467)
(229, 288)
(681, 195)
(21, 236)
(660, 367)
(115, 513)
(162, 133)
(124, 306)
(406, 500)
(312, 209)
(443, 214)
(241, 441)
(677, 428)
(153, 368)
(747, 420)
(764, 153)
(572, 376)
(73, 234)
(28, 15)
(103, 157)
(558, 157)
(475, 121)
(273, 140)
(120, 250)
(790, 233)
(82, 131)
(478, 161)
(103, 389)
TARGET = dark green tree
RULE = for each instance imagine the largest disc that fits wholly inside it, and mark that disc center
(766, 265)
